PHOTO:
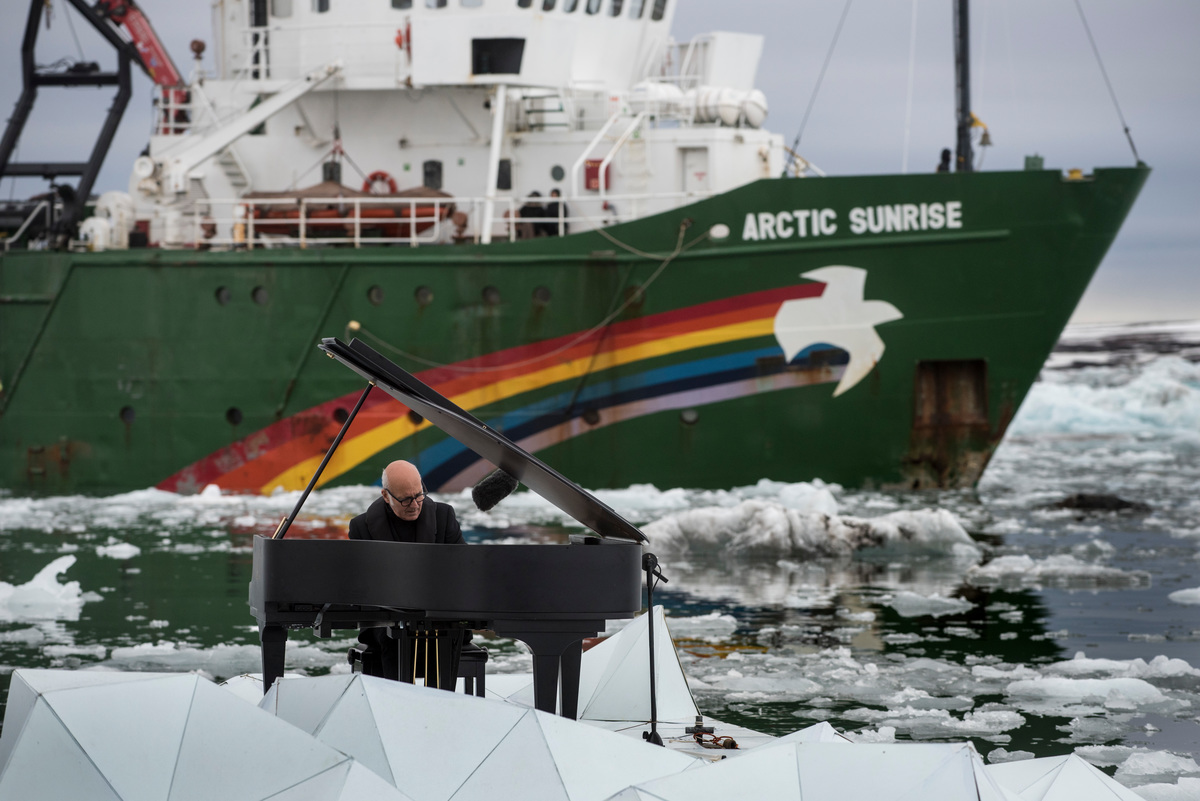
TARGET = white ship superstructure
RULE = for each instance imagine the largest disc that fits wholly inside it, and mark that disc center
(475, 103)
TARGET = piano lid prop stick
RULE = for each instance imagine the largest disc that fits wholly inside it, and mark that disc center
(650, 565)
(286, 523)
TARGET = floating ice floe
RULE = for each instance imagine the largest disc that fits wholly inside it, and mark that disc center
(766, 528)
(1160, 397)
(1189, 597)
(1061, 570)
(909, 604)
(118, 550)
(1156, 767)
(1059, 695)
(42, 597)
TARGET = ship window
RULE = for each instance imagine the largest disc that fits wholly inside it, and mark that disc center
(660, 9)
(524, 3)
(504, 174)
(401, 5)
(548, 5)
(496, 56)
(593, 6)
(320, 6)
(472, 3)
(258, 13)
(615, 9)
(281, 8)
(636, 7)
(569, 6)
(435, 3)
(433, 174)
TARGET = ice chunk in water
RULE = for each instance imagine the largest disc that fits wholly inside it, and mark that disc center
(118, 550)
(42, 597)
(1060, 570)
(766, 528)
(1187, 597)
(1147, 767)
(909, 604)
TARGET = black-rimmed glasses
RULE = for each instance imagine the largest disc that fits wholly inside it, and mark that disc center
(409, 501)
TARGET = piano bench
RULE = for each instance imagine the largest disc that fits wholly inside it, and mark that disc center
(471, 664)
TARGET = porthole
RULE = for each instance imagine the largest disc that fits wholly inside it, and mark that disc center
(557, 172)
(126, 414)
(689, 417)
(233, 416)
(223, 295)
(424, 296)
(541, 296)
(260, 295)
(491, 295)
(340, 415)
(375, 295)
(415, 418)
(591, 416)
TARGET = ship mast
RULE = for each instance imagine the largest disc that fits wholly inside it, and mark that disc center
(964, 159)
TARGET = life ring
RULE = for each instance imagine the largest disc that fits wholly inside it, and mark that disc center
(379, 176)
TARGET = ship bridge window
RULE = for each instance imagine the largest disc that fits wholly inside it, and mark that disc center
(660, 9)
(524, 3)
(548, 5)
(593, 6)
(320, 6)
(636, 7)
(472, 3)
(281, 8)
(497, 56)
(615, 9)
(402, 5)
(569, 6)
(435, 3)
(258, 13)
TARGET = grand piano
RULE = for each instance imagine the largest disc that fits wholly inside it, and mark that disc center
(550, 597)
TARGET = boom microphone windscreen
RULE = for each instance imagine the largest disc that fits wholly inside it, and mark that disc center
(493, 488)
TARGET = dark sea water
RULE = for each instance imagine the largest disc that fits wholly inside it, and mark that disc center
(992, 615)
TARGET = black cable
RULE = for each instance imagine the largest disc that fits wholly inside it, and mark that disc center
(1107, 82)
(75, 36)
(821, 77)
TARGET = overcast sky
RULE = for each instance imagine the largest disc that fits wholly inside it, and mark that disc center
(1035, 83)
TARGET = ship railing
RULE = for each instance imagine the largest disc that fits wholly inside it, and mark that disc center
(307, 222)
(287, 52)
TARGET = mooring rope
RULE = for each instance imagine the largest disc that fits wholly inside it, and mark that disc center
(1107, 82)
(680, 248)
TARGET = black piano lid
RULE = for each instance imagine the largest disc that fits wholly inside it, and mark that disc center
(486, 442)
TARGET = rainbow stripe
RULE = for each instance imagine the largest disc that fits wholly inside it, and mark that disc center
(287, 453)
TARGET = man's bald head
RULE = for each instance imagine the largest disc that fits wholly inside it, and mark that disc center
(402, 481)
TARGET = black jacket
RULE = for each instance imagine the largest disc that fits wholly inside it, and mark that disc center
(436, 523)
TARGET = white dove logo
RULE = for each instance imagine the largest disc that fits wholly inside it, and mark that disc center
(839, 317)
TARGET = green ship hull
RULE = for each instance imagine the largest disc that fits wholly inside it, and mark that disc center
(683, 349)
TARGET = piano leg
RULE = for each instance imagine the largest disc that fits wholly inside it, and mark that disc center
(571, 658)
(555, 655)
(274, 644)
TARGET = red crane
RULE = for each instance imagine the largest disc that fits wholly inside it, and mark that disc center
(155, 61)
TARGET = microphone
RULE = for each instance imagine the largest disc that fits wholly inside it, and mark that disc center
(493, 488)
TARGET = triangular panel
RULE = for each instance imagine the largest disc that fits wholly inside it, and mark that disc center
(48, 763)
(520, 766)
(131, 731)
(257, 753)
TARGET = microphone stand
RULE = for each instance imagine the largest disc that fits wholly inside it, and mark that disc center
(650, 565)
